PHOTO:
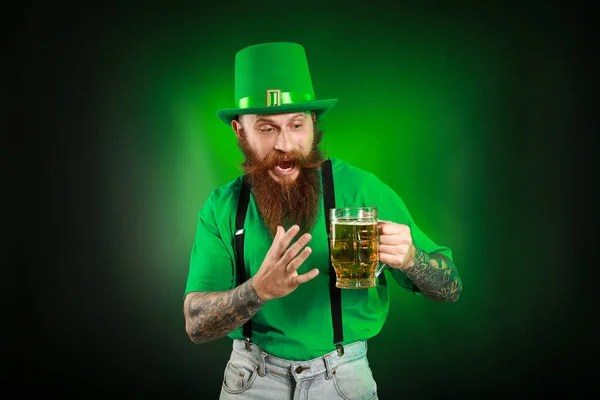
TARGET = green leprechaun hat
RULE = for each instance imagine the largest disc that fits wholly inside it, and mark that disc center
(273, 78)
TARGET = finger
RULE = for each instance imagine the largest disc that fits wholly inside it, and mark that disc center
(398, 239)
(298, 261)
(389, 259)
(391, 228)
(300, 279)
(284, 240)
(275, 245)
(382, 222)
(289, 235)
(295, 248)
(394, 250)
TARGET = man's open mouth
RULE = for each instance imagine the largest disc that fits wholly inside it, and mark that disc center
(285, 167)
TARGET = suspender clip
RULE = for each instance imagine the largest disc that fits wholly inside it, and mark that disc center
(340, 349)
(248, 341)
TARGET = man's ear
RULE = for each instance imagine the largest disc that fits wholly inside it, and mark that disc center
(237, 127)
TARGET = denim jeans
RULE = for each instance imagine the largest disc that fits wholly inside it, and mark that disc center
(256, 374)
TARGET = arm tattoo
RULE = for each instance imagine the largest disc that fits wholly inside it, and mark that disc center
(211, 315)
(436, 276)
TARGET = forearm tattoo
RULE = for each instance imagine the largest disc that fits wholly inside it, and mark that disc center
(211, 315)
(436, 276)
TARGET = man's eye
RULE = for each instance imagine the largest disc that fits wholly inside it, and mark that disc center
(297, 126)
(266, 129)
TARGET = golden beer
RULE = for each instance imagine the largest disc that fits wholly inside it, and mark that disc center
(354, 244)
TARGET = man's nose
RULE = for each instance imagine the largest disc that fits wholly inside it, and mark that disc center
(283, 142)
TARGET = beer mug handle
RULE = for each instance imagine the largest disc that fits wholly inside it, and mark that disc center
(380, 269)
(381, 265)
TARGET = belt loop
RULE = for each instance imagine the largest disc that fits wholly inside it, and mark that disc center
(262, 368)
(328, 374)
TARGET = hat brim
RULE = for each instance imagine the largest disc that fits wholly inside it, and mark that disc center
(320, 107)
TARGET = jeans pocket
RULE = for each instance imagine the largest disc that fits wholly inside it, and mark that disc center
(239, 376)
(354, 380)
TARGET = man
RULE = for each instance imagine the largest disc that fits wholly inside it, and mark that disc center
(260, 270)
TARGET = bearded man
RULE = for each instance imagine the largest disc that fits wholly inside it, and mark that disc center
(260, 270)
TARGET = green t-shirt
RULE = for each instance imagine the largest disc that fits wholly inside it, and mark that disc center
(299, 325)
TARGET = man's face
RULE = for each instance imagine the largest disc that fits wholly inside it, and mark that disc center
(282, 162)
(282, 134)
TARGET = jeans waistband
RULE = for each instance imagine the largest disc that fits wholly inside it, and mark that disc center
(299, 369)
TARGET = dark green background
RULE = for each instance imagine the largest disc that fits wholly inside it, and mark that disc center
(470, 113)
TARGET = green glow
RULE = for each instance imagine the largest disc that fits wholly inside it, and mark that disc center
(408, 119)
(426, 110)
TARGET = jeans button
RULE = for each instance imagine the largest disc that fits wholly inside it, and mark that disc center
(299, 370)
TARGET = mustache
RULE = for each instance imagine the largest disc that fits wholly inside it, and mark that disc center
(275, 158)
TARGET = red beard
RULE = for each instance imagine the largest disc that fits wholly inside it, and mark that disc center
(287, 202)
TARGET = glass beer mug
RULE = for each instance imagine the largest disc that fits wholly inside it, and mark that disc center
(354, 245)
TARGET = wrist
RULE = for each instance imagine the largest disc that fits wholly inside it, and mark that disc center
(409, 260)
(258, 289)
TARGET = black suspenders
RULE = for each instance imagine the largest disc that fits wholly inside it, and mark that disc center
(334, 292)
(239, 247)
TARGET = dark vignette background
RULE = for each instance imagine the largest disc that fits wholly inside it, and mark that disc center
(111, 145)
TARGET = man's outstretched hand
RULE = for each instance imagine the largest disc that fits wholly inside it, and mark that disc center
(278, 276)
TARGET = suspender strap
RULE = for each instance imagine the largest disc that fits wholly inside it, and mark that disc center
(240, 217)
(335, 293)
